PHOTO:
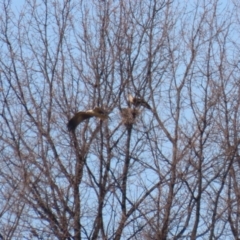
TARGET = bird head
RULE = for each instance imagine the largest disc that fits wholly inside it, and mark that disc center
(130, 98)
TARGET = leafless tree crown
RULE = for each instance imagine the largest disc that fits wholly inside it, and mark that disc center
(163, 166)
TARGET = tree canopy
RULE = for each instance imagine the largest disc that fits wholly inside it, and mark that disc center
(165, 169)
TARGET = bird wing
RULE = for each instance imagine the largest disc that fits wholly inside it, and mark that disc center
(146, 105)
(78, 118)
(140, 101)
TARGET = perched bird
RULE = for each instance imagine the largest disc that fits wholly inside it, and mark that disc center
(81, 116)
(138, 101)
(129, 115)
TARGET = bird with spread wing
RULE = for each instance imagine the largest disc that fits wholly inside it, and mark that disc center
(84, 115)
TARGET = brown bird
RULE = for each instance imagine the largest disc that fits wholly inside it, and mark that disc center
(138, 102)
(81, 116)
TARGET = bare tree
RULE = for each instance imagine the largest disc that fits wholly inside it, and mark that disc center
(162, 166)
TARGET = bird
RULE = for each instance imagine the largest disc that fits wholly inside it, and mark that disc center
(83, 115)
(138, 102)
